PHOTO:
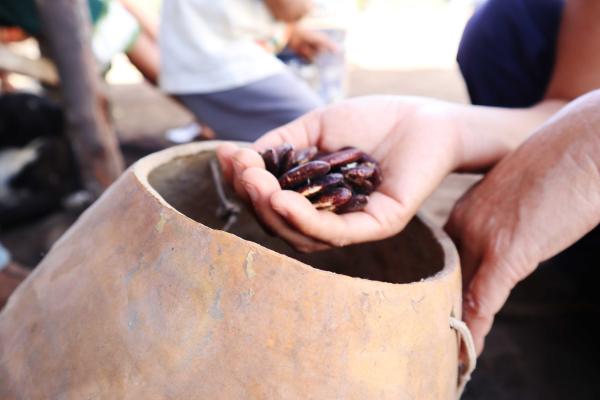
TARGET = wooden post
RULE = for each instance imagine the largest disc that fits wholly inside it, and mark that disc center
(66, 28)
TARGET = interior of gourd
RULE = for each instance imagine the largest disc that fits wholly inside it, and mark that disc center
(187, 184)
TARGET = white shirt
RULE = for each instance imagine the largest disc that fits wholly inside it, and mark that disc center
(210, 45)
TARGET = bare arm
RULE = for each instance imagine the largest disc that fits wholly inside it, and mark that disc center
(576, 72)
(417, 141)
(489, 133)
(147, 20)
(577, 66)
(536, 202)
(289, 10)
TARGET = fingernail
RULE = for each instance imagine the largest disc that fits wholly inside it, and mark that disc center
(278, 209)
(282, 212)
(469, 303)
(237, 166)
(252, 192)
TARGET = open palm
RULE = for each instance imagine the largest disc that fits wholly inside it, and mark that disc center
(414, 140)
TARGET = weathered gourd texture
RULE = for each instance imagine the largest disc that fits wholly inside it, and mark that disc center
(144, 299)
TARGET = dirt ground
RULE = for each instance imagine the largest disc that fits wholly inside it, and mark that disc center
(544, 343)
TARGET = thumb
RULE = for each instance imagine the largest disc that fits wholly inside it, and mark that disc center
(484, 297)
(300, 133)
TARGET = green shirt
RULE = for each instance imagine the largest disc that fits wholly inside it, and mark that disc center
(23, 13)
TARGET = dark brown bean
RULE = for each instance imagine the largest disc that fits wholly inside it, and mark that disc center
(359, 173)
(346, 185)
(318, 185)
(356, 203)
(309, 172)
(359, 177)
(363, 187)
(283, 148)
(285, 154)
(332, 199)
(306, 155)
(342, 157)
(365, 158)
(271, 160)
(377, 177)
(303, 173)
(320, 154)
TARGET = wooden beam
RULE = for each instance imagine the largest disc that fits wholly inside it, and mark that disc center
(67, 31)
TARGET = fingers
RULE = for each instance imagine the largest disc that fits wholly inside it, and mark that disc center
(234, 160)
(245, 170)
(485, 295)
(324, 44)
(225, 152)
(261, 185)
(241, 160)
(339, 230)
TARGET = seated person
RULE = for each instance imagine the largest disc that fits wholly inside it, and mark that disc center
(219, 60)
(119, 26)
(508, 49)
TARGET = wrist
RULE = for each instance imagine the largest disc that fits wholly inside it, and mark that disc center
(488, 134)
(439, 119)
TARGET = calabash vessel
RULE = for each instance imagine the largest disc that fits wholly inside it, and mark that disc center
(145, 297)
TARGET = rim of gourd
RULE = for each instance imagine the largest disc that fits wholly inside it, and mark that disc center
(144, 167)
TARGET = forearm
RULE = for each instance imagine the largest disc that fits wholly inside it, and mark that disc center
(474, 138)
(536, 202)
(559, 166)
(289, 10)
(148, 22)
(487, 134)
(490, 133)
(577, 60)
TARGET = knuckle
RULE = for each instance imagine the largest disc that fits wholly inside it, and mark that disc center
(475, 308)
(303, 248)
(340, 242)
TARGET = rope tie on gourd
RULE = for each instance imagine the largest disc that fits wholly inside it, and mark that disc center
(465, 370)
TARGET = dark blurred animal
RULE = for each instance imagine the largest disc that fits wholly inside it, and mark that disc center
(37, 169)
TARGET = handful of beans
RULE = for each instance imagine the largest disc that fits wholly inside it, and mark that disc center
(339, 181)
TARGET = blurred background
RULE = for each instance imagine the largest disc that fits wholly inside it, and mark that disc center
(404, 47)
(538, 349)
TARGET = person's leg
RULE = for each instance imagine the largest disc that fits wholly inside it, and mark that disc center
(247, 112)
(507, 51)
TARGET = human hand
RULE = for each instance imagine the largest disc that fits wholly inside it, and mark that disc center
(308, 43)
(414, 140)
(535, 203)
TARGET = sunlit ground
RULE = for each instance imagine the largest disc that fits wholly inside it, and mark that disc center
(386, 35)
(405, 35)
